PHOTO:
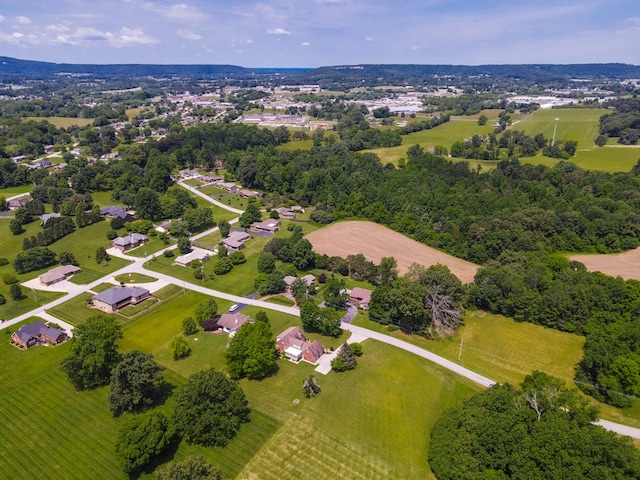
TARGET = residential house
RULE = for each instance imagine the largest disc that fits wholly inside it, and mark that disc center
(209, 179)
(58, 274)
(18, 158)
(195, 254)
(132, 240)
(231, 323)
(163, 227)
(295, 346)
(235, 240)
(308, 279)
(360, 297)
(249, 194)
(18, 203)
(267, 226)
(116, 298)
(38, 332)
(76, 152)
(286, 213)
(297, 208)
(59, 167)
(229, 186)
(188, 173)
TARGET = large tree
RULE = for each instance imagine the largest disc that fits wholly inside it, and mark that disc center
(540, 431)
(135, 382)
(252, 352)
(250, 215)
(94, 352)
(209, 409)
(141, 438)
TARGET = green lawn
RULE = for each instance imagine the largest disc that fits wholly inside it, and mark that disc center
(296, 145)
(154, 245)
(457, 129)
(221, 195)
(281, 300)
(62, 122)
(581, 125)
(11, 191)
(500, 348)
(135, 278)
(219, 213)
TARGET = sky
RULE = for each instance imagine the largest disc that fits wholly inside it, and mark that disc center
(313, 33)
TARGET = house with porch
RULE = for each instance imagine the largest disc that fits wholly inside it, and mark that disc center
(115, 298)
(295, 346)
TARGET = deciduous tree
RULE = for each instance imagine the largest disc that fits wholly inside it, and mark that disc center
(135, 382)
(141, 438)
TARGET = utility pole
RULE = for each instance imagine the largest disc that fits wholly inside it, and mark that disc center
(555, 127)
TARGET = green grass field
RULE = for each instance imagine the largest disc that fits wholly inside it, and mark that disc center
(135, 278)
(581, 125)
(62, 122)
(457, 129)
(11, 191)
(501, 349)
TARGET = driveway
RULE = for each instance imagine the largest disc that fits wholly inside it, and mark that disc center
(351, 313)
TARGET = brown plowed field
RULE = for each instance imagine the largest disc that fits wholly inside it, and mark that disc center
(375, 241)
(625, 265)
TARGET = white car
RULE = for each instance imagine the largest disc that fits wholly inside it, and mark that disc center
(233, 307)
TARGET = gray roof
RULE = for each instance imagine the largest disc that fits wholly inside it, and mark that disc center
(131, 239)
(36, 329)
(111, 210)
(115, 295)
(233, 321)
(45, 217)
(58, 272)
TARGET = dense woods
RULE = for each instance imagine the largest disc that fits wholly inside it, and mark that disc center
(538, 431)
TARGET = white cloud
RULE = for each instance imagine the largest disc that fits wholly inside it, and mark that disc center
(249, 41)
(369, 39)
(306, 44)
(131, 36)
(22, 20)
(180, 11)
(189, 34)
(278, 31)
(2, 18)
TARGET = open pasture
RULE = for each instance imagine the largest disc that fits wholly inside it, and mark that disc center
(62, 122)
(375, 241)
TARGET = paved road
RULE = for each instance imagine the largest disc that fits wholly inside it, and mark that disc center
(138, 266)
(209, 199)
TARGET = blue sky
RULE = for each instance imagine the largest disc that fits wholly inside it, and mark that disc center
(311, 33)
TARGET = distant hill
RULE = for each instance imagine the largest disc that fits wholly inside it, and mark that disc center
(587, 70)
(390, 72)
(14, 66)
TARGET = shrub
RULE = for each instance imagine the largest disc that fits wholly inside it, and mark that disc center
(223, 266)
(112, 234)
(168, 253)
(9, 279)
(356, 349)
(210, 325)
(237, 257)
(189, 326)
(16, 292)
(2, 299)
(3, 262)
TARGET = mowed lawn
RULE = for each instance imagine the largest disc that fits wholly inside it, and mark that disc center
(581, 125)
(62, 122)
(457, 129)
(500, 348)
(10, 246)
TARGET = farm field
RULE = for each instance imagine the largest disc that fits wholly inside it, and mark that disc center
(458, 128)
(353, 237)
(62, 122)
(625, 265)
(582, 126)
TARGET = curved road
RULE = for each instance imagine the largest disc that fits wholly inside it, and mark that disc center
(138, 266)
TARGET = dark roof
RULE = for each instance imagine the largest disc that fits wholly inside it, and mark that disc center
(112, 210)
(316, 349)
(36, 329)
(115, 295)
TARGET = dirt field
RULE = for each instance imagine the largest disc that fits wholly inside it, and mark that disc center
(625, 265)
(375, 241)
